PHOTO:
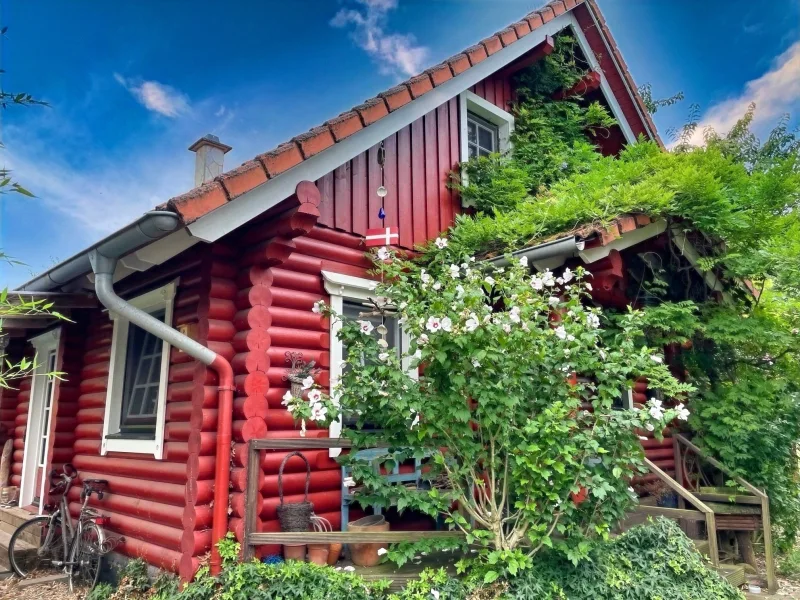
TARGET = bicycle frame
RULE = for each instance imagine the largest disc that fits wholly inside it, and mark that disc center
(70, 530)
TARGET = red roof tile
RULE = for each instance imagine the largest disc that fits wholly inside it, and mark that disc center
(238, 181)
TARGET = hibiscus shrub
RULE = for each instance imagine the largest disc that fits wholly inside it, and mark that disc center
(507, 392)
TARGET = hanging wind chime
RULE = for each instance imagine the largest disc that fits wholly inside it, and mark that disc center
(383, 236)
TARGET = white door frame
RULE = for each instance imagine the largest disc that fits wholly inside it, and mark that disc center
(40, 415)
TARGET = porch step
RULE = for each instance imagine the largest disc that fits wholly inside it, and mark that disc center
(734, 574)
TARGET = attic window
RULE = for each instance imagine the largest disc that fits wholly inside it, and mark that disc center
(482, 136)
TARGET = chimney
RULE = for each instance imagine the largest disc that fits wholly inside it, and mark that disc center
(208, 162)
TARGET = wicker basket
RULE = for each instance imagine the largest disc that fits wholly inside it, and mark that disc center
(296, 516)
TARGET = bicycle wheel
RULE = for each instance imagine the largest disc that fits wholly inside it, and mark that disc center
(35, 545)
(87, 556)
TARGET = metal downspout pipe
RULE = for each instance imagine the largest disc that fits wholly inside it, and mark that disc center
(103, 267)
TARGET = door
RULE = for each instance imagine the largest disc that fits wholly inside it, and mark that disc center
(36, 458)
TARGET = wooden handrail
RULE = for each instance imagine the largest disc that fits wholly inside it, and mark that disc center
(350, 537)
(678, 488)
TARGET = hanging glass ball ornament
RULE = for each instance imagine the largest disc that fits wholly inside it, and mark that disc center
(381, 213)
(382, 191)
(382, 330)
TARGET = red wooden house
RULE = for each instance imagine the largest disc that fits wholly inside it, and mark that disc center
(234, 267)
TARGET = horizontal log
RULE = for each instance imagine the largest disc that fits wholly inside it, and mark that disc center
(302, 280)
(673, 513)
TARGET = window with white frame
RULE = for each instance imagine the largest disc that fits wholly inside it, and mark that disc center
(484, 128)
(348, 296)
(137, 383)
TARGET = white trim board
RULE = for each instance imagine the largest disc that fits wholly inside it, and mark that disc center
(233, 214)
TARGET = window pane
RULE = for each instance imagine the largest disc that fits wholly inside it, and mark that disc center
(486, 138)
(473, 151)
(483, 152)
(142, 379)
(472, 136)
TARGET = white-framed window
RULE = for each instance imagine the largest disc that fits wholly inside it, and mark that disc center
(347, 297)
(137, 379)
(484, 127)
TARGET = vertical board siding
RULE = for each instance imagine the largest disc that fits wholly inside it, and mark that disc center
(419, 159)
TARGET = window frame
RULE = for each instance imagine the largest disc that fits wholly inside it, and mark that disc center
(161, 298)
(340, 288)
(481, 123)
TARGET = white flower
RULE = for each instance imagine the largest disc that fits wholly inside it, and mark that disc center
(314, 396)
(488, 279)
(553, 300)
(655, 409)
(403, 305)
(349, 568)
(537, 283)
(476, 363)
(437, 286)
(383, 356)
(447, 324)
(383, 253)
(683, 412)
(548, 279)
(568, 275)
(561, 333)
(472, 323)
(631, 490)
(308, 382)
(566, 352)
(656, 359)
(349, 482)
(459, 290)
(415, 422)
(434, 324)
(441, 242)
(649, 427)
(589, 286)
(643, 438)
(318, 412)
(602, 354)
(559, 281)
(287, 398)
(592, 320)
(454, 271)
(366, 327)
(434, 593)
(523, 261)
(424, 277)
(570, 338)
(382, 551)
(513, 314)
(422, 339)
(303, 428)
(506, 327)
(318, 306)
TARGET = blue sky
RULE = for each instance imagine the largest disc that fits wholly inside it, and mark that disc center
(132, 84)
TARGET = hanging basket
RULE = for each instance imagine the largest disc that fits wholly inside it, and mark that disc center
(296, 516)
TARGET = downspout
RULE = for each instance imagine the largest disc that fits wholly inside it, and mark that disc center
(103, 267)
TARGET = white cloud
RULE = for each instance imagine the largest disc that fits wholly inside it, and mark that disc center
(155, 96)
(395, 53)
(776, 92)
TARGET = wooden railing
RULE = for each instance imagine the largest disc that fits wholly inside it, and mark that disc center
(253, 538)
(756, 497)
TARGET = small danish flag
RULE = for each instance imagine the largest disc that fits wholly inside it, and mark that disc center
(382, 236)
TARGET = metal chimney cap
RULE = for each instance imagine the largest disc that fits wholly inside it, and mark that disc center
(210, 140)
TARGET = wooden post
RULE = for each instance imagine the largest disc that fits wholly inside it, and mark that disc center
(766, 524)
(713, 547)
(251, 503)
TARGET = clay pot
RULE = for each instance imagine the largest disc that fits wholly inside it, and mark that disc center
(366, 555)
(318, 554)
(294, 552)
(334, 552)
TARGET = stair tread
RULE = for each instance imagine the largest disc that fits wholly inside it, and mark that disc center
(722, 508)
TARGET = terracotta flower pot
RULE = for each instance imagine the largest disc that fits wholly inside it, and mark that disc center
(366, 555)
(334, 552)
(318, 554)
(294, 552)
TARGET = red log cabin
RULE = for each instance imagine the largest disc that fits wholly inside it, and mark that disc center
(227, 274)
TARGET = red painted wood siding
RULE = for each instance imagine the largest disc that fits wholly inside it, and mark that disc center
(497, 90)
(419, 202)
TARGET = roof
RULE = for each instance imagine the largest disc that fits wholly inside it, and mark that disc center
(232, 184)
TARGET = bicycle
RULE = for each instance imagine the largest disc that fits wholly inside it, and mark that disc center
(76, 546)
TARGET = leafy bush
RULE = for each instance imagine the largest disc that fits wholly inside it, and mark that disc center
(655, 561)
(494, 356)
(789, 565)
(102, 591)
